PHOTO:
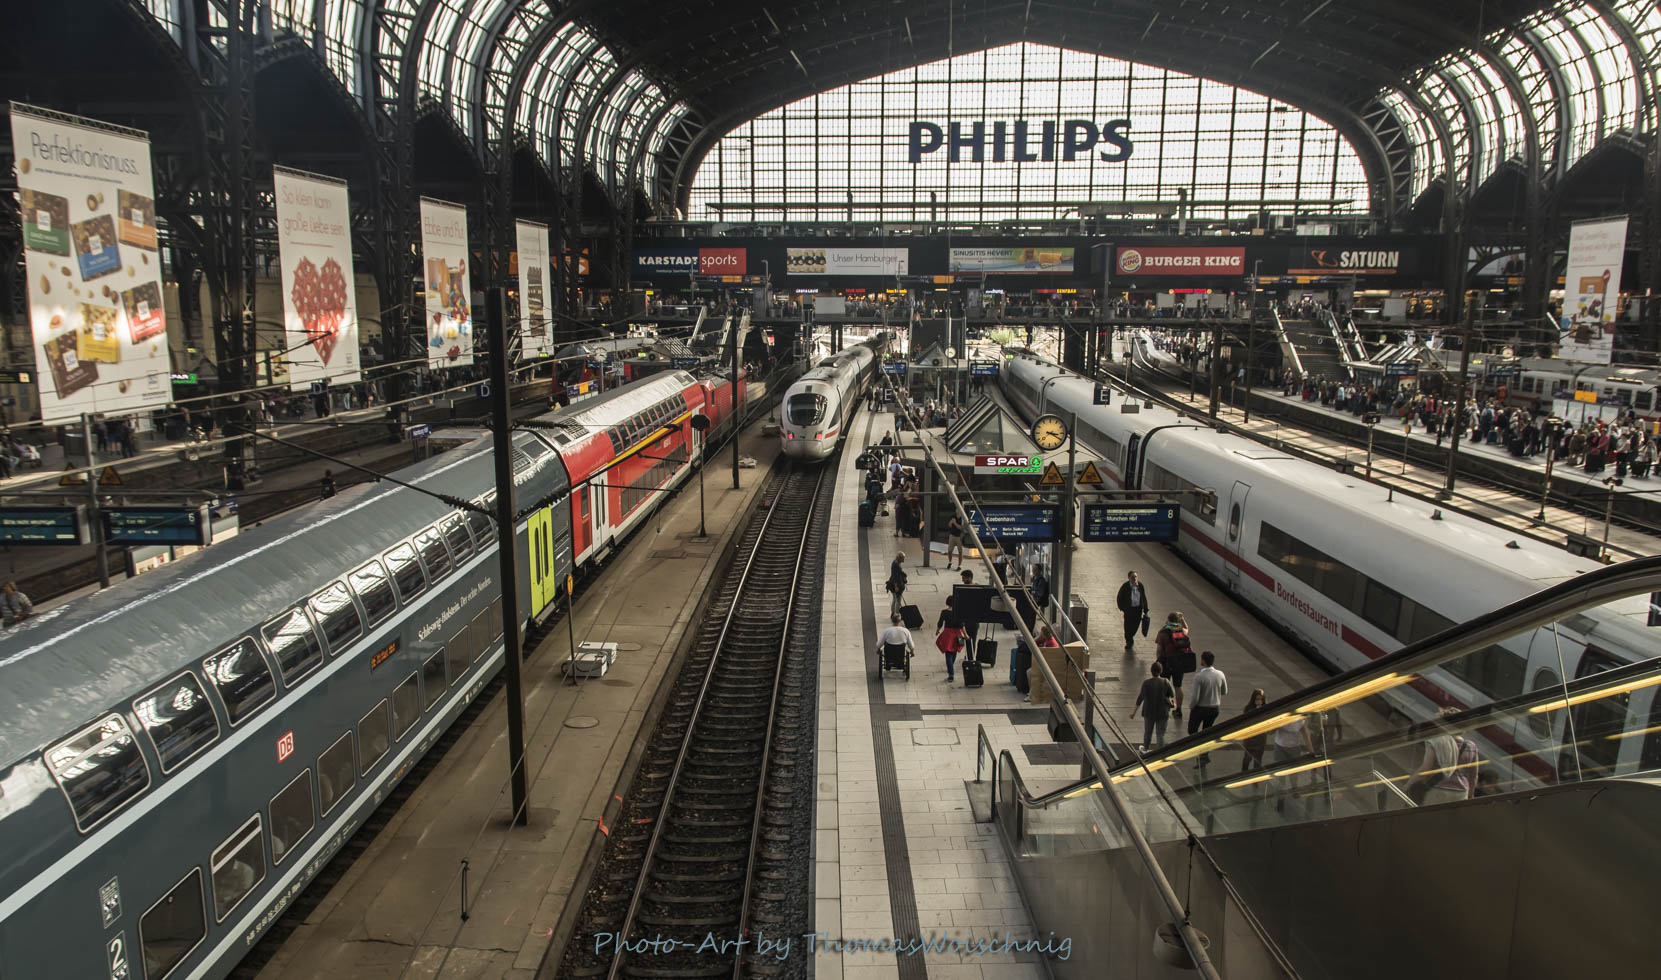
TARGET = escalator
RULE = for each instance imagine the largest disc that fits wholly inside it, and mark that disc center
(1476, 804)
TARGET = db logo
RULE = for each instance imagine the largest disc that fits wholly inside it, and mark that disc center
(285, 746)
(1129, 260)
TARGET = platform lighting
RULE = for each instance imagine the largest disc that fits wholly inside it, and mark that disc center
(1596, 694)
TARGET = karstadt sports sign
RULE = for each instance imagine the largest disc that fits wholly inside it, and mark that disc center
(694, 261)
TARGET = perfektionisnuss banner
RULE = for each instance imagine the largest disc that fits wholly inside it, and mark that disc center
(89, 245)
(314, 243)
(536, 334)
(1591, 286)
(444, 259)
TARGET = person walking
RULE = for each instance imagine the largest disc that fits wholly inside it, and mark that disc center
(895, 639)
(1448, 772)
(948, 637)
(14, 605)
(1174, 649)
(1154, 699)
(954, 541)
(896, 582)
(1133, 605)
(1040, 590)
(1206, 701)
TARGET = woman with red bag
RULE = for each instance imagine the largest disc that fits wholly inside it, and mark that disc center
(948, 637)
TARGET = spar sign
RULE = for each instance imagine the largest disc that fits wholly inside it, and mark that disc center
(94, 273)
(693, 261)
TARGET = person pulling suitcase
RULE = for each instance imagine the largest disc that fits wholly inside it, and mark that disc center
(948, 639)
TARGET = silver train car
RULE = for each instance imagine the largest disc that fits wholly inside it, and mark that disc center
(182, 754)
(819, 406)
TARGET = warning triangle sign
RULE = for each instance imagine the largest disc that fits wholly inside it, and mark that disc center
(1090, 475)
(72, 479)
(109, 478)
(1052, 476)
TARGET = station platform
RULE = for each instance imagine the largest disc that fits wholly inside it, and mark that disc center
(899, 855)
(396, 911)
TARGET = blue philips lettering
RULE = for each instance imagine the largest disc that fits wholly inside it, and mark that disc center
(1081, 138)
(976, 142)
(1013, 141)
(1116, 133)
(935, 137)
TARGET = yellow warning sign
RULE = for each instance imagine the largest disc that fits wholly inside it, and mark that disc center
(109, 478)
(1090, 475)
(1052, 476)
(72, 480)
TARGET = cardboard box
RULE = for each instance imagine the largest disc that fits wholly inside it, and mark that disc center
(1056, 657)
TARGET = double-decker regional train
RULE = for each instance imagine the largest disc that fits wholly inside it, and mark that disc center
(182, 753)
(1352, 571)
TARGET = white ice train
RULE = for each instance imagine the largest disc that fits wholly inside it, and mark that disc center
(1352, 573)
(819, 406)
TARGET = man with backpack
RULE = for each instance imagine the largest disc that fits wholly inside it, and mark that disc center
(1174, 650)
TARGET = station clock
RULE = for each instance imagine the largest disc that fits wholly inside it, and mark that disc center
(1049, 432)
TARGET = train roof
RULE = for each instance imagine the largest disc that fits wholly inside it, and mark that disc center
(61, 669)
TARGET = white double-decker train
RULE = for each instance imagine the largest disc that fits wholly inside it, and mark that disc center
(1353, 572)
(819, 406)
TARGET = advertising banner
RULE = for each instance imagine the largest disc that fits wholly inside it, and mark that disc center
(536, 334)
(314, 245)
(1339, 260)
(1181, 262)
(847, 261)
(449, 292)
(94, 273)
(1046, 259)
(685, 261)
(1591, 284)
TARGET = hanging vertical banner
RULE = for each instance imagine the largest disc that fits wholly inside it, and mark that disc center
(1591, 289)
(314, 242)
(89, 245)
(536, 335)
(449, 292)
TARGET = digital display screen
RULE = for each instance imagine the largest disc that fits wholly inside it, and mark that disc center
(1130, 522)
(379, 656)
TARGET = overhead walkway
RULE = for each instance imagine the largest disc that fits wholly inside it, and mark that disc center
(1303, 846)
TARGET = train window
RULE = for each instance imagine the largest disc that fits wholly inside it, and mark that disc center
(291, 816)
(338, 616)
(238, 865)
(1643, 400)
(334, 773)
(375, 736)
(433, 554)
(173, 927)
(481, 633)
(99, 768)
(496, 619)
(1493, 670)
(406, 706)
(406, 571)
(460, 540)
(459, 652)
(1599, 723)
(1541, 722)
(1234, 524)
(483, 527)
(1381, 606)
(432, 680)
(294, 643)
(374, 590)
(805, 409)
(178, 719)
(241, 677)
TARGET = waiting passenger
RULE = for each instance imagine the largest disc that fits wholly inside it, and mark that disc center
(954, 541)
(1155, 699)
(896, 582)
(14, 605)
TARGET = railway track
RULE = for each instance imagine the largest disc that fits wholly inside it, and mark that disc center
(711, 844)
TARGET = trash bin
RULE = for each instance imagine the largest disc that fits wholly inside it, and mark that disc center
(1078, 613)
(75, 449)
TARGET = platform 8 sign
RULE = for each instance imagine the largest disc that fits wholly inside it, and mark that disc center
(1130, 522)
(1023, 523)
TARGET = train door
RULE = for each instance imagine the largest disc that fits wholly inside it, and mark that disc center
(1598, 724)
(582, 525)
(1130, 467)
(1236, 531)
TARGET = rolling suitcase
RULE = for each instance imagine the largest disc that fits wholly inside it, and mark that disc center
(867, 513)
(986, 653)
(912, 617)
(971, 674)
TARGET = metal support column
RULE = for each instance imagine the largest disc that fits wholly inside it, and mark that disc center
(95, 522)
(1216, 360)
(1464, 391)
(506, 552)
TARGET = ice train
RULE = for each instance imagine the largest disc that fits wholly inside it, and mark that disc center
(819, 406)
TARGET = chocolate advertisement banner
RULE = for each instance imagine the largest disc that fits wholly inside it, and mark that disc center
(1591, 287)
(847, 261)
(1052, 259)
(536, 333)
(444, 259)
(89, 245)
(314, 244)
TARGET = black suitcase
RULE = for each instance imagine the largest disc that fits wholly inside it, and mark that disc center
(986, 653)
(867, 513)
(971, 674)
(912, 617)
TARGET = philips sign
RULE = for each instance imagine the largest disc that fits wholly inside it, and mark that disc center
(696, 261)
(1022, 141)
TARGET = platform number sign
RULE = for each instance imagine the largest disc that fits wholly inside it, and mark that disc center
(119, 970)
(285, 746)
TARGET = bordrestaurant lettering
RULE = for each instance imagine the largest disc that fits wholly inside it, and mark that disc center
(1022, 141)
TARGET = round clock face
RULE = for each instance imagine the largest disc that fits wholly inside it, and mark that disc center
(1050, 432)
